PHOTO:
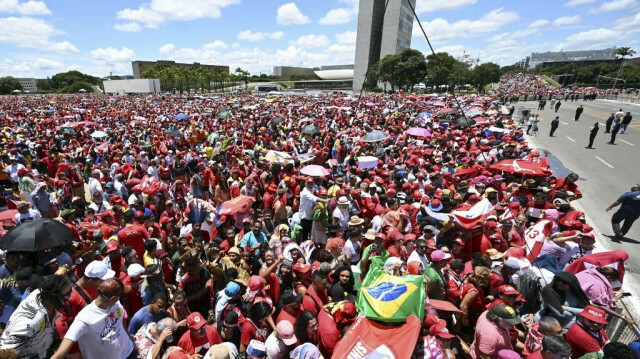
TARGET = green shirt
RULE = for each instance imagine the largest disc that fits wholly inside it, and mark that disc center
(436, 287)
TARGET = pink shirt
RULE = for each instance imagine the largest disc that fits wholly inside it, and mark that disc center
(596, 287)
(489, 338)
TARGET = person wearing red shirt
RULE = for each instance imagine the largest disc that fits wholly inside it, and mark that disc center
(553, 347)
(291, 307)
(108, 226)
(200, 336)
(316, 295)
(512, 237)
(255, 327)
(567, 184)
(503, 275)
(534, 210)
(133, 234)
(587, 334)
(69, 215)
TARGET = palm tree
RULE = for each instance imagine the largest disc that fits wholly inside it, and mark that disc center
(623, 52)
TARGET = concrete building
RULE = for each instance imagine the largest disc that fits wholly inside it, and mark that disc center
(132, 86)
(380, 33)
(288, 71)
(140, 67)
(538, 58)
(335, 72)
(28, 84)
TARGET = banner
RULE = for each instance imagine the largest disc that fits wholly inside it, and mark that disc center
(535, 236)
(475, 215)
(367, 339)
(535, 167)
(391, 298)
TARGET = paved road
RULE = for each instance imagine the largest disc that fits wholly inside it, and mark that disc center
(605, 172)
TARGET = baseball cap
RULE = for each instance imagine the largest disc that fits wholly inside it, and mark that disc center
(135, 270)
(439, 255)
(286, 332)
(594, 314)
(112, 246)
(195, 321)
(507, 290)
(290, 297)
(512, 264)
(507, 313)
(441, 331)
(98, 270)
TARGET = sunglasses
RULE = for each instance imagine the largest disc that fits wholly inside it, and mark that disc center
(558, 280)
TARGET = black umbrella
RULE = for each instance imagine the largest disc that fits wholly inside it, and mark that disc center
(277, 120)
(35, 235)
(173, 133)
(463, 122)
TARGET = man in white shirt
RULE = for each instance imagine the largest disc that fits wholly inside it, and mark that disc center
(281, 341)
(26, 214)
(13, 168)
(99, 205)
(98, 328)
(353, 245)
(418, 255)
(307, 202)
(94, 183)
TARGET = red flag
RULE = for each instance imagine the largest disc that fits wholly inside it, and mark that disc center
(475, 215)
(614, 259)
(368, 339)
(534, 167)
(535, 237)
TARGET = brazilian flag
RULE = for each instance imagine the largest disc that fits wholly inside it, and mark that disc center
(390, 298)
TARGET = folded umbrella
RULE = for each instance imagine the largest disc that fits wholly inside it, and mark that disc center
(35, 235)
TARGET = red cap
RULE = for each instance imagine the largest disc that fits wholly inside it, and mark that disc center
(139, 215)
(441, 331)
(594, 314)
(112, 246)
(507, 290)
(323, 191)
(195, 321)
(431, 243)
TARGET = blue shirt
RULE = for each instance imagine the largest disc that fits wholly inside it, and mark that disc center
(630, 204)
(142, 317)
(250, 240)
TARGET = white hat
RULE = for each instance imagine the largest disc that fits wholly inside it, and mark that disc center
(98, 270)
(135, 270)
(343, 200)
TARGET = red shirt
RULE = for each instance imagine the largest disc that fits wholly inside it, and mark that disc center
(193, 345)
(313, 301)
(250, 331)
(286, 316)
(328, 334)
(583, 342)
(134, 236)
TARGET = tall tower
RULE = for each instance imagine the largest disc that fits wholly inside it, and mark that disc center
(380, 33)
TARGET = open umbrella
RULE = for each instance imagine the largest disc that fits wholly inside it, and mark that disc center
(8, 214)
(238, 204)
(35, 235)
(99, 134)
(67, 130)
(311, 130)
(223, 115)
(463, 122)
(277, 120)
(419, 132)
(172, 132)
(16, 91)
(314, 171)
(82, 90)
(367, 162)
(375, 136)
(181, 116)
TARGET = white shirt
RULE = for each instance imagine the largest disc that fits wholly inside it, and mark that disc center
(342, 216)
(100, 333)
(95, 186)
(573, 250)
(29, 330)
(275, 347)
(353, 250)
(12, 171)
(99, 208)
(376, 223)
(307, 202)
(31, 215)
(416, 257)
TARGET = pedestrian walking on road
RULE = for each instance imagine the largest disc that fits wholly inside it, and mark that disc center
(608, 123)
(592, 135)
(579, 112)
(614, 131)
(558, 105)
(628, 212)
(626, 120)
(554, 125)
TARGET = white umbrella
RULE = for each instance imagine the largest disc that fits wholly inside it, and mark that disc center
(16, 91)
(99, 134)
(82, 90)
(367, 162)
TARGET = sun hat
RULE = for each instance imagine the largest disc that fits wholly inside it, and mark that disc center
(343, 200)
(594, 314)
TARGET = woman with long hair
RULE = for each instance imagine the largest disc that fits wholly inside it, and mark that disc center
(306, 328)
(343, 284)
(472, 304)
(563, 299)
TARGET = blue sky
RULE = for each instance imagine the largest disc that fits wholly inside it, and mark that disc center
(40, 38)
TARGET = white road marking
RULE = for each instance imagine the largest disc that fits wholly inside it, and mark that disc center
(601, 124)
(564, 123)
(603, 161)
(628, 143)
(571, 139)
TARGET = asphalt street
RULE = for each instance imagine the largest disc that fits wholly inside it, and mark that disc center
(606, 171)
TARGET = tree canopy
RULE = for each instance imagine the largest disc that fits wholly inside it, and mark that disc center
(9, 84)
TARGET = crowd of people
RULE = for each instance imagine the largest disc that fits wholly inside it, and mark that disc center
(218, 226)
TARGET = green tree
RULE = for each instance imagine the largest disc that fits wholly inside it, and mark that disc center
(44, 84)
(441, 69)
(244, 75)
(623, 52)
(65, 79)
(413, 67)
(389, 71)
(76, 87)
(486, 73)
(9, 84)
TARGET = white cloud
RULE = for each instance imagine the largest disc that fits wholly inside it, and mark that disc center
(423, 6)
(64, 46)
(26, 32)
(160, 11)
(347, 37)
(337, 16)
(31, 67)
(111, 59)
(614, 5)
(442, 31)
(216, 45)
(30, 7)
(591, 39)
(167, 48)
(289, 14)
(130, 26)
(311, 40)
(248, 35)
(629, 24)
(578, 2)
(567, 20)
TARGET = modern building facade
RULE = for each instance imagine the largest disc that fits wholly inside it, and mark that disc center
(549, 57)
(288, 71)
(28, 84)
(132, 86)
(140, 67)
(381, 32)
(335, 72)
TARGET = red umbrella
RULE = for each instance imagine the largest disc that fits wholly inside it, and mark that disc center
(238, 204)
(9, 214)
(536, 167)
